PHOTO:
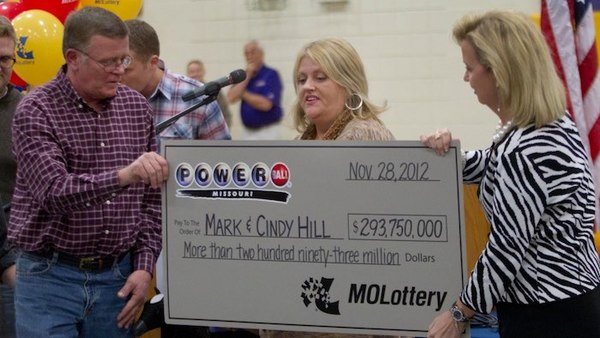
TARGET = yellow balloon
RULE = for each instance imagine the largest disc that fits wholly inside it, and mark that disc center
(39, 46)
(125, 9)
(597, 240)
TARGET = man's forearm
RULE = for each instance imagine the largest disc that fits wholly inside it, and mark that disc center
(257, 101)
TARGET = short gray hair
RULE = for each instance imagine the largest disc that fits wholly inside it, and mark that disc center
(83, 24)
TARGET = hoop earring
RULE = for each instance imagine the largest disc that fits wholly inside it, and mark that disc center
(357, 106)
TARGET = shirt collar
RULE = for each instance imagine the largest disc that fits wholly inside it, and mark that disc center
(164, 88)
(70, 93)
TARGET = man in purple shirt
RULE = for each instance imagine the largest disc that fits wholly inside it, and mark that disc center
(260, 96)
(86, 206)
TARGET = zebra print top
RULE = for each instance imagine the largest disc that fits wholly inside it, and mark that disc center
(537, 192)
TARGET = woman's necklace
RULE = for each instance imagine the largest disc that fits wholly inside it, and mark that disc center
(333, 132)
(501, 130)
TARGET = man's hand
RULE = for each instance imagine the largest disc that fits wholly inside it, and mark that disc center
(251, 70)
(9, 276)
(150, 168)
(135, 288)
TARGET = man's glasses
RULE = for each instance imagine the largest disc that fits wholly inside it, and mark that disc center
(109, 65)
(7, 61)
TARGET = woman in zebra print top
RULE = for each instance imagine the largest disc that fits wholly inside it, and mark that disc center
(539, 269)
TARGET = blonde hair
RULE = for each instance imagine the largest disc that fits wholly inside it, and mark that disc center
(513, 48)
(342, 64)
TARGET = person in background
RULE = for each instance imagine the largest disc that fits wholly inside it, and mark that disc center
(164, 91)
(9, 98)
(195, 69)
(332, 104)
(260, 95)
(86, 210)
(7, 279)
(540, 269)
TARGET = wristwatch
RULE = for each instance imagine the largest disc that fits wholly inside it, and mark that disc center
(457, 314)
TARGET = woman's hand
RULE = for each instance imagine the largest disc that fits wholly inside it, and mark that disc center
(444, 326)
(438, 141)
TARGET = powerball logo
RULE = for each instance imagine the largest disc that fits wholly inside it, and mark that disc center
(240, 182)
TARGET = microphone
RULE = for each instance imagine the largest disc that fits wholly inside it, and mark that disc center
(153, 315)
(213, 87)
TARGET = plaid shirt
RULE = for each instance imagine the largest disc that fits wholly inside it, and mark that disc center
(67, 197)
(204, 123)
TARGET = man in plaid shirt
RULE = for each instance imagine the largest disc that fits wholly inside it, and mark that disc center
(86, 207)
(164, 90)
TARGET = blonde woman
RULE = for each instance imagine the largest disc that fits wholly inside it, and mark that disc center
(540, 269)
(332, 95)
(332, 104)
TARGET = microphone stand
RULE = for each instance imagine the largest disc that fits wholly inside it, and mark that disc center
(168, 122)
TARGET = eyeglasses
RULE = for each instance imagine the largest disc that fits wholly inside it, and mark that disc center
(7, 61)
(109, 65)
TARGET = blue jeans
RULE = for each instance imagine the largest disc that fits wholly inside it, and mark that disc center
(57, 300)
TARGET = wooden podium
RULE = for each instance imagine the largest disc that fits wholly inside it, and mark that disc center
(476, 227)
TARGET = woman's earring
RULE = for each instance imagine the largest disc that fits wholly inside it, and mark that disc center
(358, 106)
(498, 94)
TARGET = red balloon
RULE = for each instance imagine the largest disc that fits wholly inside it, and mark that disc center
(59, 8)
(11, 9)
(17, 81)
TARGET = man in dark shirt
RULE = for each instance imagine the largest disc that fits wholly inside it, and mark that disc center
(86, 206)
(9, 98)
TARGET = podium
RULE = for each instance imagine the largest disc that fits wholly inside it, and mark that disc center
(477, 228)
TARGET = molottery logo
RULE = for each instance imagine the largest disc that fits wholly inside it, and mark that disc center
(21, 52)
(318, 292)
(242, 181)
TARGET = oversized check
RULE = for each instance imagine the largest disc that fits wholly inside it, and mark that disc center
(350, 237)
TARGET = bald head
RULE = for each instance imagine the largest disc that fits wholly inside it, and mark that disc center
(254, 53)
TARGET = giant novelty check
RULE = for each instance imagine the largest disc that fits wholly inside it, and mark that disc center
(350, 237)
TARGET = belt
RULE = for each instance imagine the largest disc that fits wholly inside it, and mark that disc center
(255, 127)
(261, 126)
(92, 263)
